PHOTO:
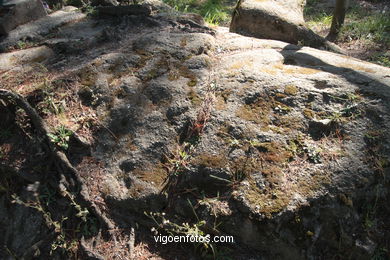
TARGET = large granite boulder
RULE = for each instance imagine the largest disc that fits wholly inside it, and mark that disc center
(17, 12)
(274, 19)
(281, 146)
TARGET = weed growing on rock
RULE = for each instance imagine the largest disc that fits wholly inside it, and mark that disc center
(195, 230)
(197, 126)
(179, 159)
(60, 241)
(61, 137)
(50, 104)
(65, 240)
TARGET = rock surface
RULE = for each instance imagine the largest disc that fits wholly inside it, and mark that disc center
(34, 31)
(17, 12)
(285, 147)
(277, 20)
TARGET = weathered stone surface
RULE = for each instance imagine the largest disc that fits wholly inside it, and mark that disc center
(39, 55)
(17, 12)
(35, 30)
(277, 20)
(293, 148)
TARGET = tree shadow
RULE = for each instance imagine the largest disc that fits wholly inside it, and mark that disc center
(363, 80)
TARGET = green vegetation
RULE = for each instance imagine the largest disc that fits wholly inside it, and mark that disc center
(366, 29)
(166, 226)
(66, 241)
(178, 161)
(61, 137)
(51, 103)
(363, 24)
(21, 44)
(315, 17)
(213, 11)
(383, 59)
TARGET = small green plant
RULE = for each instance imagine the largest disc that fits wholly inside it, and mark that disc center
(179, 159)
(317, 15)
(21, 44)
(61, 137)
(165, 226)
(176, 163)
(320, 19)
(313, 154)
(254, 143)
(86, 227)
(350, 110)
(82, 213)
(373, 135)
(61, 242)
(335, 116)
(296, 145)
(50, 104)
(90, 10)
(66, 240)
(353, 97)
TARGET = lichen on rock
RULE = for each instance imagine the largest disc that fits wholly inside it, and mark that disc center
(283, 146)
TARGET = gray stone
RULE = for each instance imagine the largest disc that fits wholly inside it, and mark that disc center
(16, 12)
(277, 20)
(35, 30)
(36, 54)
(262, 153)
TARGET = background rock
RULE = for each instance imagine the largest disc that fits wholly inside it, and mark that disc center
(277, 20)
(17, 12)
(35, 30)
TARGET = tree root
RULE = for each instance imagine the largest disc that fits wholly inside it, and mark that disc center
(69, 177)
(89, 252)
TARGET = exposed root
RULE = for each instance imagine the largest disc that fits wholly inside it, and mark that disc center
(69, 178)
(89, 252)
